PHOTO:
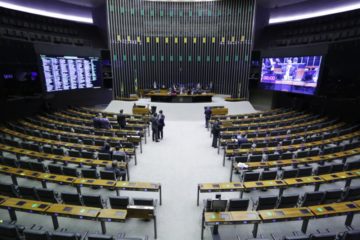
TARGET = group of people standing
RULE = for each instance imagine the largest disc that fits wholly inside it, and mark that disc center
(157, 125)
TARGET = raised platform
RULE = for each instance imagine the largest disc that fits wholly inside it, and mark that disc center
(180, 98)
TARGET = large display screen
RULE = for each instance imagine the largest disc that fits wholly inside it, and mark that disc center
(63, 73)
(291, 74)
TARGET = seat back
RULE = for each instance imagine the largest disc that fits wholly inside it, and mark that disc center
(120, 202)
(269, 175)
(27, 192)
(273, 157)
(337, 167)
(312, 198)
(251, 176)
(291, 173)
(255, 158)
(323, 236)
(351, 235)
(304, 171)
(237, 204)
(46, 195)
(352, 193)
(104, 156)
(288, 201)
(55, 169)
(323, 169)
(64, 236)
(143, 201)
(99, 237)
(9, 232)
(8, 189)
(268, 202)
(71, 198)
(109, 175)
(69, 171)
(333, 195)
(35, 235)
(89, 173)
(38, 166)
(92, 201)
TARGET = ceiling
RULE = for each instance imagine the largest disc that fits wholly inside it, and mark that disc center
(264, 3)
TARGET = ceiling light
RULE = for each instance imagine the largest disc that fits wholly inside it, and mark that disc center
(46, 13)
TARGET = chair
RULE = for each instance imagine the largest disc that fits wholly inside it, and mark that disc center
(69, 171)
(352, 165)
(24, 164)
(288, 201)
(144, 201)
(250, 176)
(304, 171)
(104, 156)
(9, 232)
(47, 149)
(64, 236)
(9, 162)
(58, 151)
(323, 236)
(287, 156)
(255, 158)
(55, 169)
(8, 189)
(86, 154)
(312, 198)
(237, 204)
(291, 173)
(27, 192)
(337, 167)
(120, 202)
(89, 173)
(109, 175)
(46, 195)
(269, 175)
(302, 154)
(99, 237)
(321, 170)
(314, 152)
(352, 194)
(333, 195)
(71, 198)
(88, 141)
(74, 153)
(296, 238)
(35, 235)
(351, 235)
(268, 202)
(38, 166)
(273, 157)
(119, 158)
(242, 159)
(93, 201)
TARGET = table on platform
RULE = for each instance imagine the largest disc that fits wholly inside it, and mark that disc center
(180, 98)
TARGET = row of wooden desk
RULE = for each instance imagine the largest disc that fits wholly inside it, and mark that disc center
(77, 212)
(270, 113)
(236, 152)
(79, 182)
(224, 142)
(280, 184)
(281, 215)
(295, 162)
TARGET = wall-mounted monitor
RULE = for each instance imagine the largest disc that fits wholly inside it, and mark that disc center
(62, 73)
(297, 74)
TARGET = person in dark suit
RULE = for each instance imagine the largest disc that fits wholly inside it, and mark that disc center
(207, 116)
(121, 119)
(216, 133)
(161, 124)
(154, 127)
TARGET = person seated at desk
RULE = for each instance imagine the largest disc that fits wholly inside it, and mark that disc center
(119, 173)
(241, 139)
(118, 152)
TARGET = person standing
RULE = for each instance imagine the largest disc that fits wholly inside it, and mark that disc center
(207, 116)
(121, 119)
(161, 124)
(154, 127)
(216, 133)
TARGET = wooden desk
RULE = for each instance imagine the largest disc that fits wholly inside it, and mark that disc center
(180, 98)
(13, 204)
(337, 209)
(218, 187)
(111, 215)
(263, 114)
(339, 176)
(316, 180)
(266, 184)
(139, 186)
(219, 111)
(141, 111)
(230, 218)
(80, 182)
(287, 214)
